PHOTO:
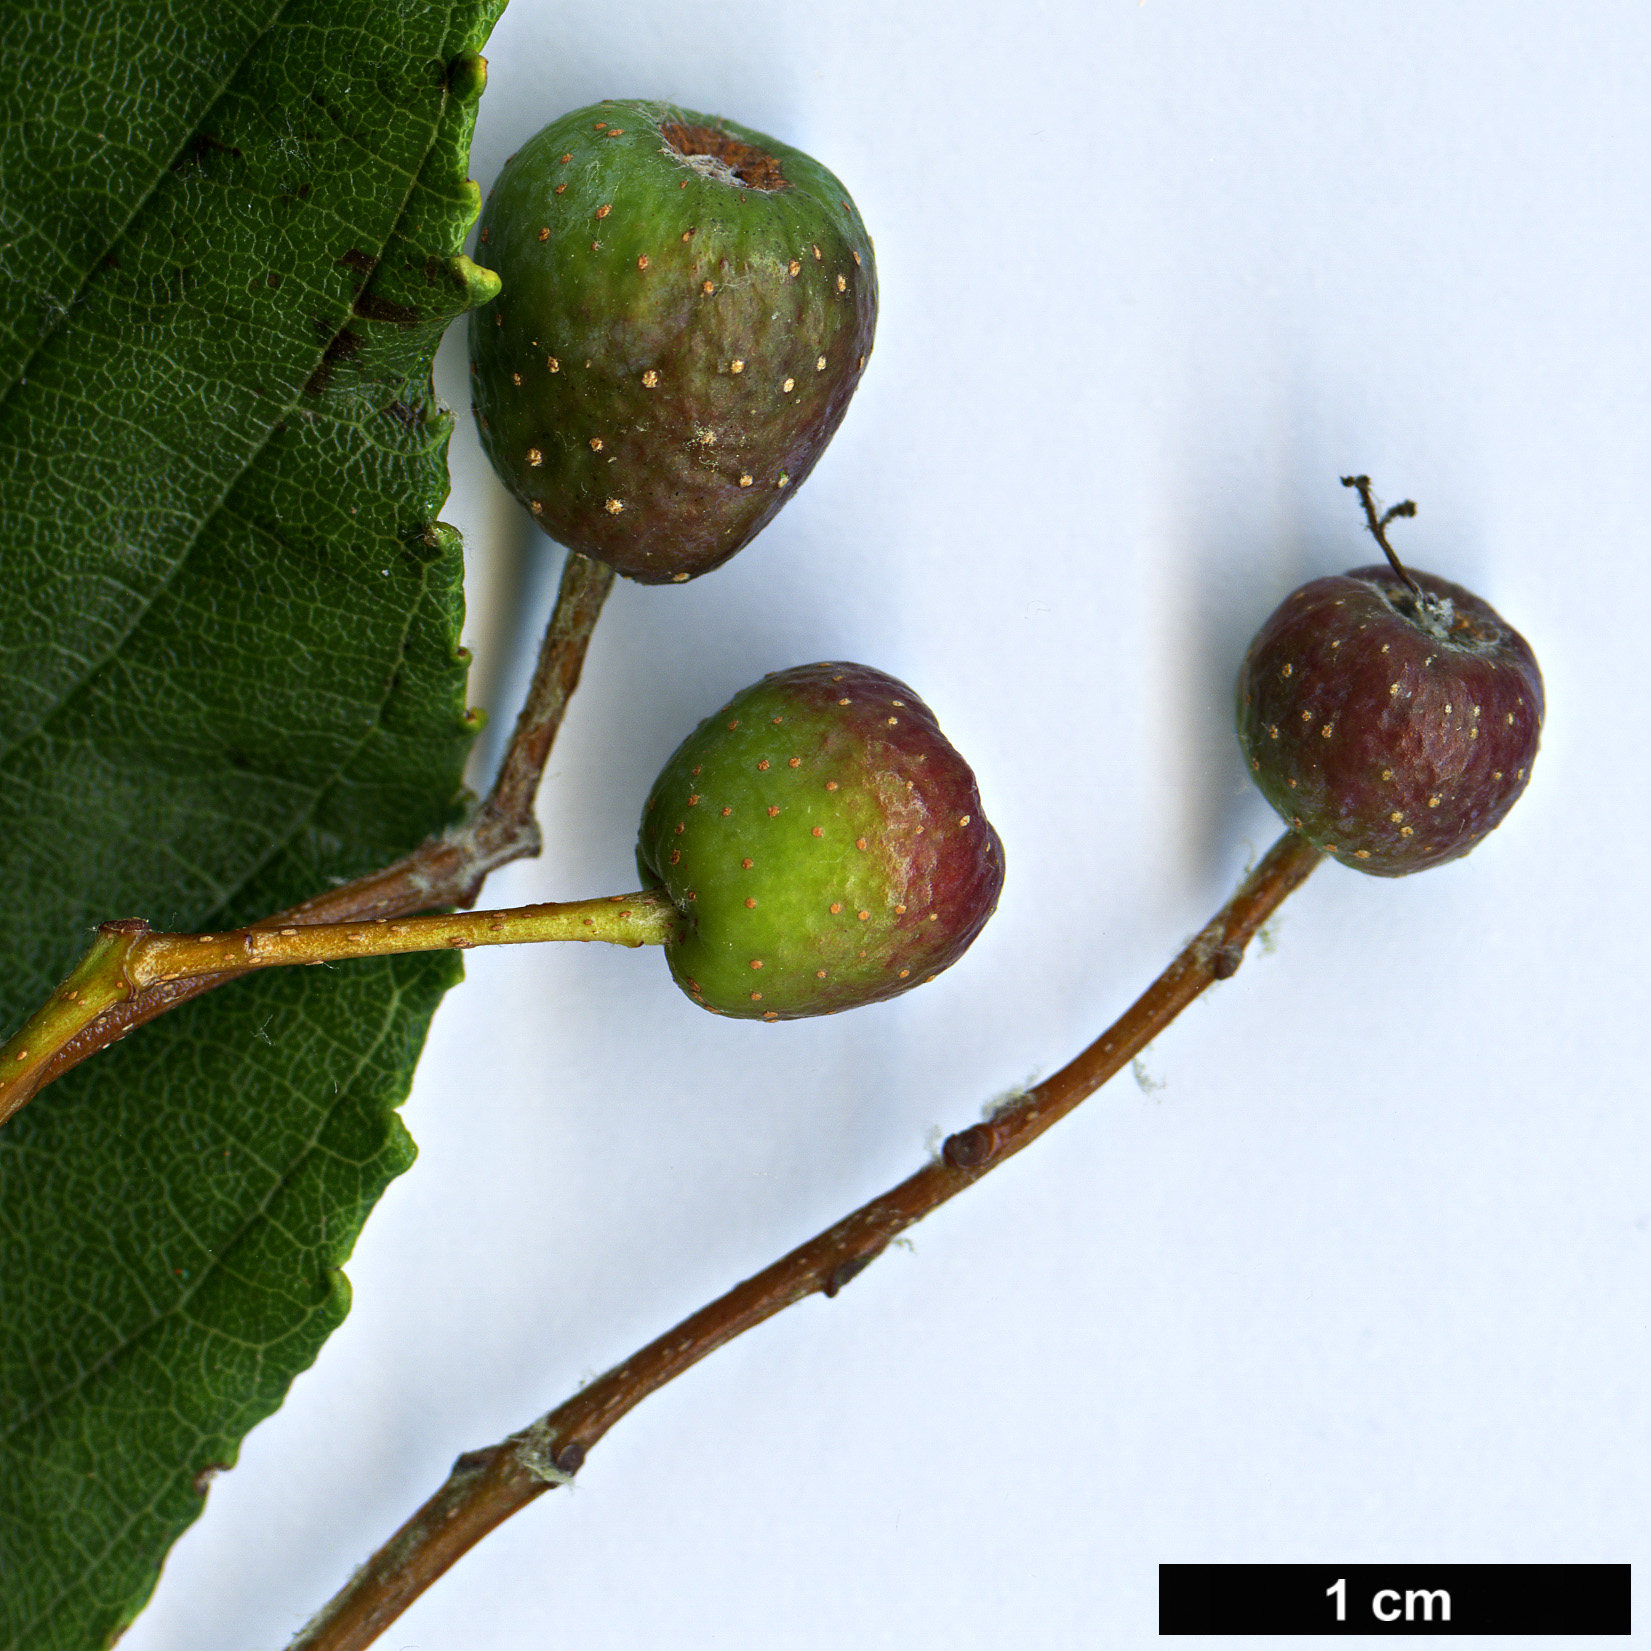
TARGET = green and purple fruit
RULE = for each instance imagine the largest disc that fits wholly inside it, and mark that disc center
(825, 844)
(1390, 716)
(687, 309)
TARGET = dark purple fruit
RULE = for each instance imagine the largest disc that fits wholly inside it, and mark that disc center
(825, 844)
(687, 308)
(1390, 716)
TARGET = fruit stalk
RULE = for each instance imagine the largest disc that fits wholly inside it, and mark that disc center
(504, 825)
(444, 871)
(127, 957)
(622, 920)
(487, 1486)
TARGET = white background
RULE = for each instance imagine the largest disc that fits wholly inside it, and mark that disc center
(1358, 1272)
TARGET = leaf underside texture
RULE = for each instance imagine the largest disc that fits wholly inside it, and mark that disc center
(229, 676)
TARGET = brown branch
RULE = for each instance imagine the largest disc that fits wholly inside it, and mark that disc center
(445, 871)
(487, 1486)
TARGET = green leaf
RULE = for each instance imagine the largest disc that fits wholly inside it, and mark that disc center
(229, 674)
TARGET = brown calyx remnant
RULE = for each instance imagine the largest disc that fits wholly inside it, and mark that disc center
(754, 167)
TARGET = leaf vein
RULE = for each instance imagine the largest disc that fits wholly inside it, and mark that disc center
(212, 514)
(139, 207)
(221, 1261)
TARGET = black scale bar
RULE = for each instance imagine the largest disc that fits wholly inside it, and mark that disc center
(1394, 1599)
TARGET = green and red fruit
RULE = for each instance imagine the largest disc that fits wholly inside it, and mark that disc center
(1390, 716)
(687, 308)
(824, 843)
